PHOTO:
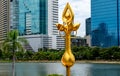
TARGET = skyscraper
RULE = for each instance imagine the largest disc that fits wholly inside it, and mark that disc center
(52, 17)
(4, 19)
(88, 31)
(88, 26)
(105, 23)
(37, 22)
(38, 16)
(14, 14)
(32, 17)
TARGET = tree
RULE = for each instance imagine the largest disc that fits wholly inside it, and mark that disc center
(19, 55)
(28, 55)
(55, 75)
(0, 54)
(13, 43)
(95, 52)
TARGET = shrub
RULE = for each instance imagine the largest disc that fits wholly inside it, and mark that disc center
(55, 75)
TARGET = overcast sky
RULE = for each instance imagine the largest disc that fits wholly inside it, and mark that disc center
(81, 9)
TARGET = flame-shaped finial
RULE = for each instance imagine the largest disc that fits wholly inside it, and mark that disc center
(68, 58)
(68, 14)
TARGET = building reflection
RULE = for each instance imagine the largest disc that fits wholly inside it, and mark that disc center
(102, 38)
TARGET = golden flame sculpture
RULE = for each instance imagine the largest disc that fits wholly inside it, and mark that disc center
(68, 58)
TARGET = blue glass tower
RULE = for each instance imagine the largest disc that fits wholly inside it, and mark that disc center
(33, 17)
(88, 26)
(105, 23)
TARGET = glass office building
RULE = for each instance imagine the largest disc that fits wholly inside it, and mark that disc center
(88, 26)
(33, 17)
(14, 14)
(105, 23)
(38, 17)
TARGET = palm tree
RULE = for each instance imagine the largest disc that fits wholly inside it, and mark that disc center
(13, 43)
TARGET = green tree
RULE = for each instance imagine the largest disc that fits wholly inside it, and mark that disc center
(115, 53)
(95, 53)
(28, 55)
(13, 43)
(6, 55)
(75, 48)
(1, 54)
(19, 55)
(105, 54)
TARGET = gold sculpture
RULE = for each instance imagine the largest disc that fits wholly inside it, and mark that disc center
(68, 58)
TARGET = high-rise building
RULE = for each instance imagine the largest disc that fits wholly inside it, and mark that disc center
(88, 31)
(52, 17)
(105, 23)
(31, 20)
(14, 14)
(4, 18)
(38, 18)
(88, 26)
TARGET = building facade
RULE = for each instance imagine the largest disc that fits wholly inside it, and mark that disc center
(88, 31)
(78, 41)
(4, 19)
(88, 26)
(52, 17)
(38, 41)
(33, 17)
(14, 14)
(105, 23)
(38, 18)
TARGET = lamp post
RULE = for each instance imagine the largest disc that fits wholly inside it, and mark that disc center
(67, 27)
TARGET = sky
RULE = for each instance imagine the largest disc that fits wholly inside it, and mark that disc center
(81, 9)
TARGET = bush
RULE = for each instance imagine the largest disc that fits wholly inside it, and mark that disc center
(55, 75)
(80, 53)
